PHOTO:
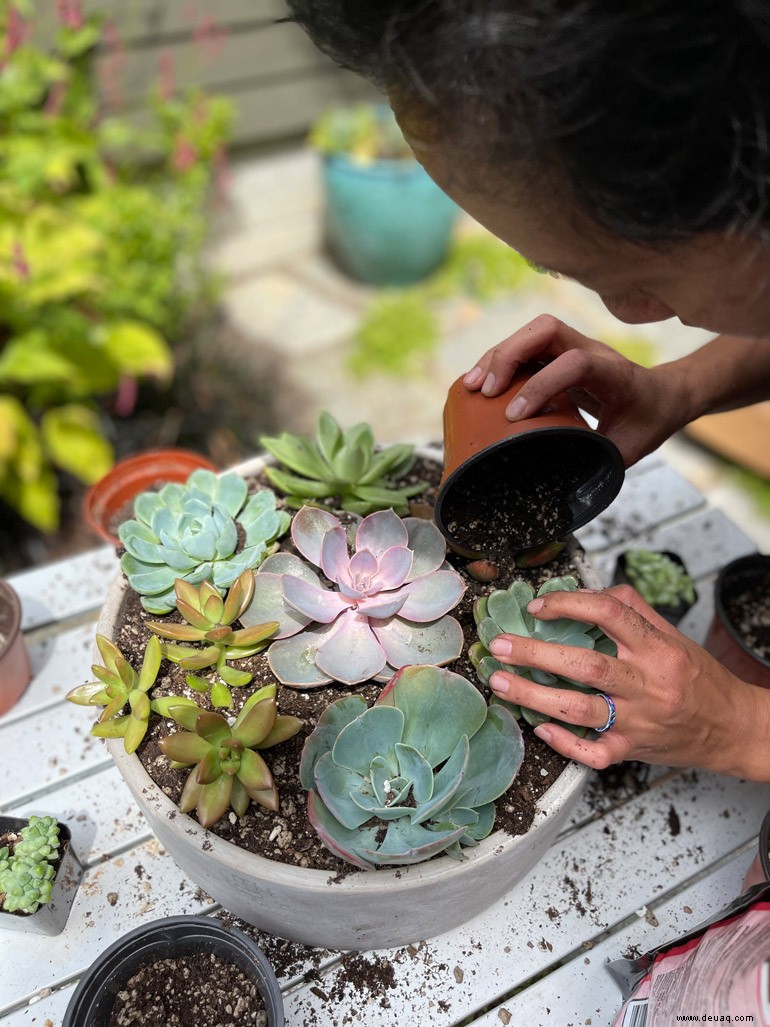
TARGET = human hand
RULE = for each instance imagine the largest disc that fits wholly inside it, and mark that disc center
(675, 704)
(637, 408)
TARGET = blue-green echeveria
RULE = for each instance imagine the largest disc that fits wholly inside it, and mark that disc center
(190, 531)
(414, 775)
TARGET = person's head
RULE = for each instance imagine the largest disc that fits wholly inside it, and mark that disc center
(625, 142)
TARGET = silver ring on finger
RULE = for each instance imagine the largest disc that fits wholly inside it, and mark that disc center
(611, 711)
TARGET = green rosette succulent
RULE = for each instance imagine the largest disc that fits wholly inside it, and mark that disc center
(27, 872)
(341, 465)
(208, 620)
(658, 579)
(227, 769)
(396, 783)
(191, 531)
(118, 685)
(504, 611)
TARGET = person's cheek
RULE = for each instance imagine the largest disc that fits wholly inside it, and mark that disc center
(636, 308)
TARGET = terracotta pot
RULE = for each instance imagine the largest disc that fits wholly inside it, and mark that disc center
(723, 640)
(170, 938)
(15, 671)
(361, 910)
(520, 465)
(131, 476)
(673, 614)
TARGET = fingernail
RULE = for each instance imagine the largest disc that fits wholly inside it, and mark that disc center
(535, 605)
(498, 683)
(544, 732)
(516, 408)
(473, 377)
(500, 647)
(489, 384)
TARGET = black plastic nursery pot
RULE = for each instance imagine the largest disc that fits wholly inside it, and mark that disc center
(50, 918)
(173, 937)
(746, 575)
(673, 614)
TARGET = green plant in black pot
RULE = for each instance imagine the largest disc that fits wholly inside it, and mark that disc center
(661, 579)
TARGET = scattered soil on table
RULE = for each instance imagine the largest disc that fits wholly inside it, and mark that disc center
(749, 614)
(288, 836)
(202, 989)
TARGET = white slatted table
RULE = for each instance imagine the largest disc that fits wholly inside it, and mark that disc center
(674, 854)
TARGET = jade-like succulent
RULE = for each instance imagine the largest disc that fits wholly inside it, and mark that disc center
(209, 620)
(504, 611)
(119, 685)
(386, 607)
(228, 772)
(415, 774)
(191, 531)
(340, 465)
(658, 579)
(27, 872)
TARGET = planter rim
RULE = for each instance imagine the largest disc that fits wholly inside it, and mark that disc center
(739, 563)
(196, 926)
(384, 166)
(10, 597)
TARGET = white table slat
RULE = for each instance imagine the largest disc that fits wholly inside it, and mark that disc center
(645, 500)
(583, 991)
(66, 588)
(505, 945)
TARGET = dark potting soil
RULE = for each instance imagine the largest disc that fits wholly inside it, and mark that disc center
(287, 836)
(126, 511)
(749, 614)
(201, 989)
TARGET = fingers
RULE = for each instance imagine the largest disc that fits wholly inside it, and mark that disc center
(629, 627)
(628, 595)
(584, 665)
(583, 709)
(600, 754)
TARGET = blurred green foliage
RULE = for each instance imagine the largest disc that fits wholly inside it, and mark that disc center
(365, 132)
(102, 220)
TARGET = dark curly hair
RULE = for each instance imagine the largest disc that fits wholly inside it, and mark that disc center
(657, 110)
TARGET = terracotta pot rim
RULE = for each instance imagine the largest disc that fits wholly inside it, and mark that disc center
(719, 608)
(10, 598)
(615, 468)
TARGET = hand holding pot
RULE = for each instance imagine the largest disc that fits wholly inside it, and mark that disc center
(618, 392)
(675, 705)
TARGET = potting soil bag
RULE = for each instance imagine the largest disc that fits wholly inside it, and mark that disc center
(718, 973)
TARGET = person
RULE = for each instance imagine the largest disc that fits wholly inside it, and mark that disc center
(626, 146)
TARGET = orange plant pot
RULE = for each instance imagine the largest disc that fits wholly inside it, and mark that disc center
(15, 670)
(723, 640)
(131, 476)
(498, 471)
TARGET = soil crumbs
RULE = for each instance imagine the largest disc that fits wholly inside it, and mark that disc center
(287, 836)
(201, 989)
(749, 614)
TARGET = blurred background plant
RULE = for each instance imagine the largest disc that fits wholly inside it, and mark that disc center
(102, 222)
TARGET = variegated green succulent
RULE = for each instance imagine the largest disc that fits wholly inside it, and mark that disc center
(504, 611)
(414, 775)
(658, 579)
(209, 620)
(340, 465)
(190, 531)
(27, 871)
(228, 771)
(118, 686)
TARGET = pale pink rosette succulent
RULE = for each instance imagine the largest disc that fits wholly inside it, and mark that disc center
(386, 609)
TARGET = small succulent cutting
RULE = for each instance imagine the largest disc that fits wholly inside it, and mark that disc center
(227, 769)
(396, 783)
(191, 531)
(341, 465)
(504, 611)
(27, 869)
(209, 620)
(658, 579)
(118, 686)
(386, 608)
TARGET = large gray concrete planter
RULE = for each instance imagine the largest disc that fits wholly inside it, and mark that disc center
(364, 909)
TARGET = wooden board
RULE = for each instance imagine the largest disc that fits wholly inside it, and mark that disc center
(739, 435)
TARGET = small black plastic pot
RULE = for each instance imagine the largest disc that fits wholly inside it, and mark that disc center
(724, 641)
(673, 614)
(50, 918)
(92, 1002)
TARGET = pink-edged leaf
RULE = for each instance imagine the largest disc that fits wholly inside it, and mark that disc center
(363, 567)
(336, 838)
(394, 567)
(266, 797)
(431, 597)
(292, 660)
(269, 605)
(382, 606)
(335, 556)
(209, 768)
(313, 601)
(351, 654)
(191, 793)
(285, 727)
(406, 643)
(381, 531)
(256, 724)
(308, 529)
(192, 614)
(180, 632)
(428, 545)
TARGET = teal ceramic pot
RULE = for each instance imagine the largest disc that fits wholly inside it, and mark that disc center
(388, 223)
